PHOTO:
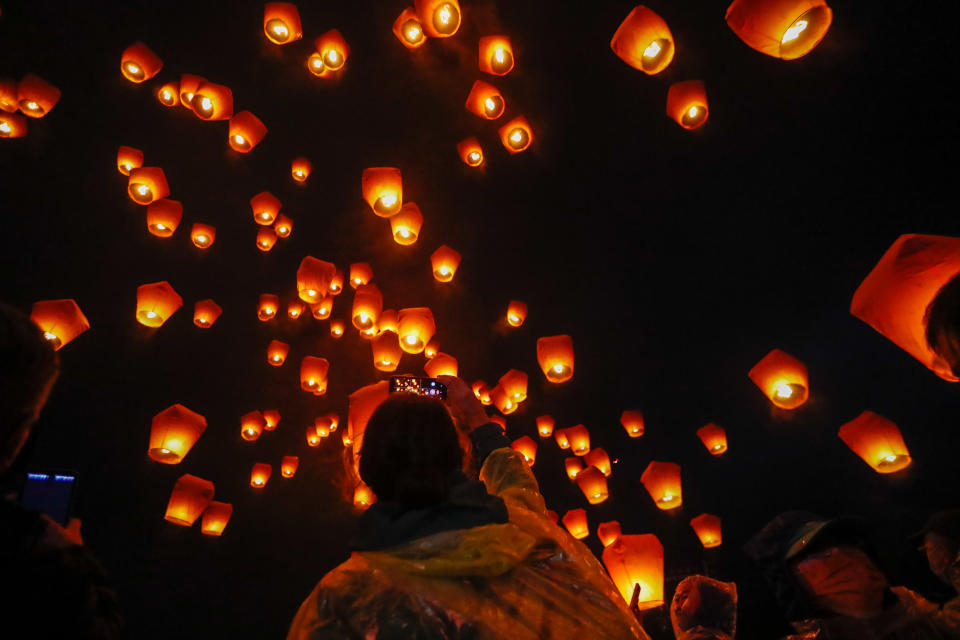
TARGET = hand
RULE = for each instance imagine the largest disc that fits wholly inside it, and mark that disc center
(467, 411)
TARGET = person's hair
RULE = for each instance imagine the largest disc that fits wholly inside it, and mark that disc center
(943, 324)
(411, 450)
(28, 368)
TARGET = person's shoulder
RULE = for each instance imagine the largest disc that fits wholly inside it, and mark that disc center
(20, 529)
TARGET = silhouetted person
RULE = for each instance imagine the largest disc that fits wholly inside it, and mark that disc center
(439, 556)
(943, 325)
(52, 586)
(941, 545)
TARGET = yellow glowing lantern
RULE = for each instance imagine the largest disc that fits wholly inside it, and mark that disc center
(406, 225)
(389, 321)
(593, 484)
(714, 438)
(245, 131)
(496, 55)
(173, 433)
(786, 29)
(444, 262)
(485, 100)
(502, 400)
(272, 418)
(575, 521)
(782, 378)
(215, 518)
(470, 152)
(516, 135)
(252, 425)
(313, 440)
(545, 425)
(478, 388)
(163, 217)
(599, 459)
(205, 313)
(363, 496)
(189, 84)
(333, 50)
(295, 309)
(877, 441)
(323, 308)
(662, 481)
(367, 305)
(579, 439)
(635, 563)
(277, 352)
(334, 421)
(417, 327)
(441, 364)
(213, 102)
(386, 351)
(360, 273)
(8, 95)
(129, 158)
(156, 302)
(36, 96)
(555, 355)
(707, 528)
(608, 532)
(316, 67)
(440, 18)
(632, 422)
(573, 466)
(687, 103)
(644, 42)
(514, 383)
(202, 235)
(266, 239)
(336, 328)
(560, 435)
(382, 188)
(139, 63)
(190, 496)
(300, 169)
(408, 29)
(260, 475)
(147, 184)
(60, 321)
(265, 207)
(288, 466)
(527, 448)
(281, 22)
(516, 313)
(313, 279)
(268, 306)
(12, 125)
(432, 348)
(336, 283)
(169, 94)
(283, 226)
(323, 426)
(313, 375)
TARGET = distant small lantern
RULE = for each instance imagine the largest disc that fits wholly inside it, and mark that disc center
(573, 466)
(336, 328)
(516, 313)
(363, 496)
(496, 55)
(333, 50)
(300, 169)
(485, 100)
(877, 441)
(205, 313)
(323, 425)
(782, 378)
(323, 308)
(575, 521)
(545, 425)
(632, 422)
(386, 351)
(367, 305)
(288, 466)
(202, 235)
(260, 475)
(36, 96)
(272, 418)
(608, 532)
(470, 152)
(444, 262)
(12, 125)
(786, 29)
(360, 273)
(266, 239)
(599, 459)
(213, 102)
(252, 425)
(440, 18)
(409, 30)
(265, 208)
(336, 283)
(555, 355)
(441, 364)
(313, 279)
(60, 321)
(313, 440)
(128, 159)
(283, 226)
(389, 321)
(579, 439)
(245, 131)
(295, 309)
(8, 95)
(707, 528)
(147, 184)
(163, 217)
(405, 226)
(714, 438)
(516, 135)
(662, 481)
(316, 67)
(173, 433)
(215, 518)
(169, 94)
(189, 84)
(277, 352)
(313, 375)
(644, 42)
(281, 22)
(334, 421)
(382, 188)
(636, 562)
(687, 103)
(560, 436)
(527, 448)
(156, 302)
(268, 306)
(593, 484)
(190, 496)
(139, 63)
(433, 348)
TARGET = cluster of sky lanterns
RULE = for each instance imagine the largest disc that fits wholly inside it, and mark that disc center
(31, 97)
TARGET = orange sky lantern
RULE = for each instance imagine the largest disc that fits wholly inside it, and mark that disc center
(213, 102)
(386, 351)
(707, 528)
(173, 433)
(313, 375)
(662, 481)
(514, 383)
(362, 403)
(478, 388)
(268, 306)
(281, 22)
(433, 348)
(444, 262)
(389, 321)
(439, 18)
(786, 29)
(283, 226)
(485, 100)
(129, 158)
(363, 496)
(60, 321)
(632, 422)
(644, 41)
(593, 484)
(316, 67)
(277, 352)
(205, 313)
(190, 496)
(334, 421)
(714, 438)
(288, 466)
(147, 184)
(215, 518)
(266, 239)
(502, 400)
(295, 309)
(360, 273)
(272, 418)
(516, 313)
(12, 125)
(442, 364)
(252, 425)
(382, 188)
(408, 29)
(265, 207)
(599, 459)
(555, 355)
(560, 436)
(485, 392)
(156, 302)
(545, 425)
(169, 94)
(245, 131)
(470, 152)
(367, 305)
(782, 378)
(877, 441)
(573, 466)
(527, 448)
(575, 521)
(202, 235)
(163, 217)
(637, 560)
(333, 50)
(336, 283)
(336, 328)
(300, 169)
(189, 84)
(313, 440)
(405, 226)
(323, 425)
(516, 135)
(687, 103)
(139, 63)
(313, 279)
(260, 475)
(579, 439)
(36, 96)
(8, 96)
(608, 532)
(323, 308)
(496, 55)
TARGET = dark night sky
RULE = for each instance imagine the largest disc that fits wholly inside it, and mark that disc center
(675, 259)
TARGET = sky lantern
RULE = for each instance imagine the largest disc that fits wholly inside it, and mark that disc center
(575, 521)
(60, 321)
(169, 94)
(336, 283)
(786, 29)
(389, 321)
(637, 561)
(593, 484)
(265, 207)
(608, 532)
(877, 441)
(283, 226)
(333, 50)
(202, 235)
(252, 425)
(245, 131)
(485, 393)
(599, 459)
(281, 22)
(406, 225)
(36, 96)
(266, 239)
(707, 528)
(444, 262)
(687, 103)
(479, 388)
(313, 375)
(470, 152)
(485, 100)
(516, 313)
(260, 475)
(336, 328)
(367, 305)
(662, 481)
(156, 302)
(496, 55)
(313, 440)
(363, 496)
(442, 364)
(560, 436)
(129, 158)
(440, 18)
(213, 102)
(514, 383)
(782, 378)
(8, 96)
(300, 169)
(382, 188)
(360, 273)
(545, 425)
(503, 401)
(408, 29)
(295, 309)
(205, 313)
(189, 84)
(632, 421)
(555, 355)
(386, 351)
(334, 420)
(215, 518)
(323, 425)
(313, 279)
(272, 418)
(12, 125)
(579, 439)
(516, 135)
(433, 348)
(147, 184)
(714, 438)
(573, 466)
(139, 63)
(277, 352)
(173, 433)
(267, 307)
(644, 42)
(316, 67)
(288, 466)
(163, 217)
(417, 327)
(323, 308)
(361, 405)
(190, 496)
(527, 448)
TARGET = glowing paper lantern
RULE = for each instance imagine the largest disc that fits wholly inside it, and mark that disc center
(8, 95)
(417, 327)
(313, 375)
(277, 352)
(252, 425)
(516, 135)
(408, 29)
(336, 328)
(485, 100)
(389, 321)
(190, 496)
(260, 474)
(360, 273)
(527, 447)
(245, 131)
(363, 496)
(478, 388)
(386, 351)
(444, 262)
(579, 439)
(406, 225)
(440, 18)
(281, 22)
(593, 484)
(129, 158)
(782, 378)
(470, 152)
(205, 313)
(560, 436)
(637, 561)
(336, 283)
(169, 94)
(265, 207)
(714, 438)
(707, 528)
(60, 321)
(272, 418)
(322, 425)
(36, 96)
(367, 305)
(485, 393)
(877, 441)
(215, 518)
(300, 169)
(573, 466)
(644, 42)
(333, 50)
(496, 55)
(163, 217)
(555, 355)
(786, 29)
(156, 302)
(295, 309)
(608, 532)
(502, 401)
(662, 481)
(213, 102)
(433, 348)
(687, 103)
(267, 307)
(266, 239)
(516, 313)
(316, 67)
(288, 466)
(147, 184)
(514, 384)
(382, 188)
(441, 364)
(323, 308)
(632, 422)
(334, 421)
(189, 84)
(599, 459)
(313, 279)
(313, 440)
(545, 425)
(138, 63)
(575, 521)
(173, 433)
(12, 125)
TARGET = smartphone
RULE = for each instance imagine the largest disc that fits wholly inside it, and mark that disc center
(429, 387)
(50, 493)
